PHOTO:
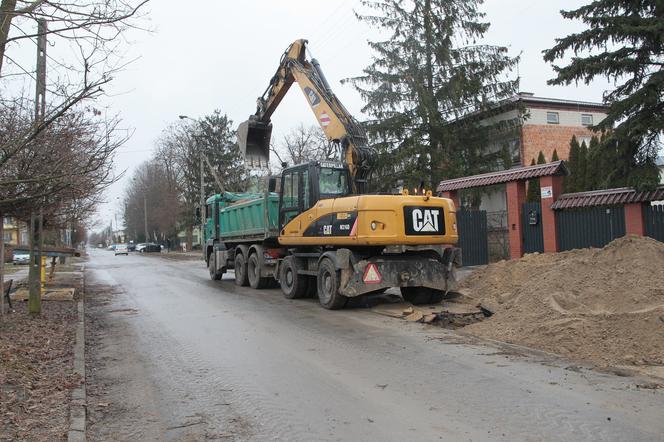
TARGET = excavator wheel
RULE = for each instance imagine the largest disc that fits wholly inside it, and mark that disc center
(421, 295)
(293, 285)
(328, 286)
(241, 271)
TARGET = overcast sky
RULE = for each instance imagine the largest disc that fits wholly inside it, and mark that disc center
(221, 55)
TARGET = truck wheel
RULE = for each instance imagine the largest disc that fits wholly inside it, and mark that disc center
(421, 295)
(293, 285)
(254, 273)
(214, 274)
(328, 286)
(241, 271)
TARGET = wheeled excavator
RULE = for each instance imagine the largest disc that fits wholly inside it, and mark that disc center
(321, 233)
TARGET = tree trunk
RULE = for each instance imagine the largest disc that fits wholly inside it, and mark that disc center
(7, 9)
(34, 296)
(2, 265)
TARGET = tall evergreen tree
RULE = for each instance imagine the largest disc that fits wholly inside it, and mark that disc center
(581, 166)
(594, 166)
(534, 191)
(554, 156)
(427, 73)
(541, 159)
(623, 42)
(570, 184)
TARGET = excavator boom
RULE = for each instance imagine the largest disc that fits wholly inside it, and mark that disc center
(336, 122)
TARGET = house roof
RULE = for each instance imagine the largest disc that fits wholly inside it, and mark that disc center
(607, 197)
(531, 98)
(527, 99)
(504, 176)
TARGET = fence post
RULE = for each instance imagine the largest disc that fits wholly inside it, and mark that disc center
(454, 196)
(634, 222)
(551, 188)
(516, 196)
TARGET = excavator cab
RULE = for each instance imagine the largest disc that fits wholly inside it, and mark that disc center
(303, 185)
(254, 139)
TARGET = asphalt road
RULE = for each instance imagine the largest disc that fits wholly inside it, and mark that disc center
(181, 357)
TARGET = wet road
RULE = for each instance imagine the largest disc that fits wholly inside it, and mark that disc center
(187, 358)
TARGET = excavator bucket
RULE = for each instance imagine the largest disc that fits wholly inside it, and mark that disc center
(254, 140)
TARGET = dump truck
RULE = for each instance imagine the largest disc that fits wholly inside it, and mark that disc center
(316, 231)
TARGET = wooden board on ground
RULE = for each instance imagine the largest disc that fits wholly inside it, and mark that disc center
(55, 294)
(424, 313)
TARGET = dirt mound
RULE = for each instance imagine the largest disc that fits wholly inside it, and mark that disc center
(603, 305)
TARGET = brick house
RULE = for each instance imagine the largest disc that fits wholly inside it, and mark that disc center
(549, 124)
(542, 124)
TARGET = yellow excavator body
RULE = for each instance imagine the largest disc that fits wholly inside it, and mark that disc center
(374, 220)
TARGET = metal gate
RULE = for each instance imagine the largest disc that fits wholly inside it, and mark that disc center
(533, 236)
(473, 237)
(654, 219)
(589, 227)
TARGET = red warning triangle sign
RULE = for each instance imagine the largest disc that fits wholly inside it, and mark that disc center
(372, 275)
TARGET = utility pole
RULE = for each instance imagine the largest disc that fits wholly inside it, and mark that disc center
(145, 215)
(34, 296)
(40, 96)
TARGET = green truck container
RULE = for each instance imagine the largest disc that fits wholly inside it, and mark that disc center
(237, 217)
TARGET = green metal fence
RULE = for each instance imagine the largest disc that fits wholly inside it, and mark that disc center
(653, 217)
(473, 236)
(589, 227)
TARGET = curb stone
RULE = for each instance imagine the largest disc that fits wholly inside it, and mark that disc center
(77, 411)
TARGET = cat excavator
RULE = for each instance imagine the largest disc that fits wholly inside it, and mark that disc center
(332, 238)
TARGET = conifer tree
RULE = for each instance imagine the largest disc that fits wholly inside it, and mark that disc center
(533, 188)
(581, 167)
(428, 72)
(554, 156)
(570, 184)
(594, 166)
(623, 43)
(541, 159)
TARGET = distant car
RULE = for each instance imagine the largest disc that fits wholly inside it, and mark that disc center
(21, 258)
(150, 248)
(132, 247)
(140, 246)
(121, 249)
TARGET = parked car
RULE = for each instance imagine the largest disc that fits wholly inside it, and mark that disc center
(140, 246)
(150, 248)
(21, 258)
(121, 249)
(131, 246)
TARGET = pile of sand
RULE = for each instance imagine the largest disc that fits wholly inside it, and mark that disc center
(602, 305)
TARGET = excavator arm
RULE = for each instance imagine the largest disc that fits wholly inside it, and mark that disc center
(335, 121)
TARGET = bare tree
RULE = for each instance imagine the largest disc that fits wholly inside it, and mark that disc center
(183, 146)
(151, 202)
(37, 167)
(304, 144)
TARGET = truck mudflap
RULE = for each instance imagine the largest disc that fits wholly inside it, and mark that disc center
(381, 272)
